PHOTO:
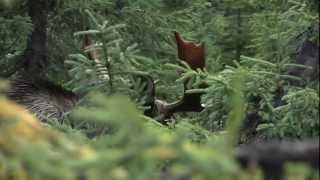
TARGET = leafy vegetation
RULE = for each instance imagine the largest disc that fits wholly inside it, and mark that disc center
(251, 46)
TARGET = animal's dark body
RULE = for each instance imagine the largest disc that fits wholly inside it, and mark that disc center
(28, 86)
(41, 97)
(307, 55)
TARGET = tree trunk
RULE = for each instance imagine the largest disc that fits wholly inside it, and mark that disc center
(35, 57)
(239, 34)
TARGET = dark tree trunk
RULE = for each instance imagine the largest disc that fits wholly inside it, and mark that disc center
(239, 34)
(29, 86)
(35, 57)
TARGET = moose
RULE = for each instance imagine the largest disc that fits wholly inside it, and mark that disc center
(45, 99)
(48, 100)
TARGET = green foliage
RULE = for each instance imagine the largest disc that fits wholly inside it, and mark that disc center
(294, 123)
(14, 33)
(137, 37)
(249, 47)
(175, 3)
(276, 31)
(135, 143)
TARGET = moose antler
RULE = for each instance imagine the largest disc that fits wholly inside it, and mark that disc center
(96, 54)
(194, 55)
(191, 53)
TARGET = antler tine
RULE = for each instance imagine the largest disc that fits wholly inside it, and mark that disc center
(149, 95)
(86, 41)
(96, 54)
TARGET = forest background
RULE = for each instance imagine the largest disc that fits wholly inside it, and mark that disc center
(252, 51)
